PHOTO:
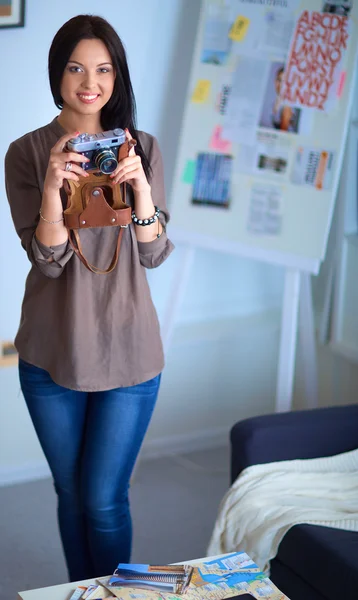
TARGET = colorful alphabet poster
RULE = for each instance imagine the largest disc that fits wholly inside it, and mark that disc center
(317, 52)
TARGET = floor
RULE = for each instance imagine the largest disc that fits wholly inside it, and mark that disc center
(174, 505)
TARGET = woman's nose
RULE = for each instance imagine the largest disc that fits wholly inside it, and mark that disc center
(89, 81)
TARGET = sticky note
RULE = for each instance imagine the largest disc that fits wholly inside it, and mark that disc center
(322, 165)
(239, 29)
(342, 80)
(217, 142)
(202, 91)
(189, 172)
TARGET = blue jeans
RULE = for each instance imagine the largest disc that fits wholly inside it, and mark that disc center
(91, 441)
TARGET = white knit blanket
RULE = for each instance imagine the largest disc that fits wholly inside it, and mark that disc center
(267, 500)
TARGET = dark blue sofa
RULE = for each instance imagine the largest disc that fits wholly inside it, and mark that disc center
(313, 562)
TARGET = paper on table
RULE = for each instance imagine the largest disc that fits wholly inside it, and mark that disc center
(265, 210)
(89, 593)
(128, 593)
(78, 592)
(244, 102)
(215, 579)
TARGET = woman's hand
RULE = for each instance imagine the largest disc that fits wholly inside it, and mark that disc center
(56, 170)
(130, 169)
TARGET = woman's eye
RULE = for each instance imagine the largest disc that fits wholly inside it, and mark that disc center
(104, 70)
(75, 69)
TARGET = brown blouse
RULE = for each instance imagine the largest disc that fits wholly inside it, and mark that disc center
(90, 332)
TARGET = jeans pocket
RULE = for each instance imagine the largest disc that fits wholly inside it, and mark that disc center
(32, 378)
(154, 382)
(146, 388)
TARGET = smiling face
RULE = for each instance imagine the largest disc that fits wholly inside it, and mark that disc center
(88, 80)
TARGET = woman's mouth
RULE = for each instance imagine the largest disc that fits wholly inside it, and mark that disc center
(88, 98)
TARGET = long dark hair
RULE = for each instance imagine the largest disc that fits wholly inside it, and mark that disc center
(120, 110)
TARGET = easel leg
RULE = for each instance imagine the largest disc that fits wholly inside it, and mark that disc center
(176, 295)
(308, 342)
(287, 351)
(326, 319)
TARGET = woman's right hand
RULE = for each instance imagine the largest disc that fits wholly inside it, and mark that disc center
(56, 170)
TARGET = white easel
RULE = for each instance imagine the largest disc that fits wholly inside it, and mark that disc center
(297, 313)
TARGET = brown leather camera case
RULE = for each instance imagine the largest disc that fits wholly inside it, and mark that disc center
(95, 201)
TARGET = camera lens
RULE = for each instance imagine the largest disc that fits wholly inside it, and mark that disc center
(105, 161)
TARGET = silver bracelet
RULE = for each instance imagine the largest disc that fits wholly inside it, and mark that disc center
(50, 222)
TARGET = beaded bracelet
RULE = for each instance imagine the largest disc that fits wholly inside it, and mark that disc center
(148, 221)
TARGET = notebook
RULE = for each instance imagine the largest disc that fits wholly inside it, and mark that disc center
(164, 578)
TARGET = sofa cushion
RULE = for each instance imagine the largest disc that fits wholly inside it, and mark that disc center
(324, 557)
(291, 584)
(288, 436)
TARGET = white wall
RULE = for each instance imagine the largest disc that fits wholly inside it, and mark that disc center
(222, 363)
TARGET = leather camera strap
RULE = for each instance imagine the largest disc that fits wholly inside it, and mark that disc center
(75, 240)
(77, 247)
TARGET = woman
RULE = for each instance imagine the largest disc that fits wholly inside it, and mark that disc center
(89, 345)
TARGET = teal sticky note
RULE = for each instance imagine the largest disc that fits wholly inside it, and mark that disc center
(189, 171)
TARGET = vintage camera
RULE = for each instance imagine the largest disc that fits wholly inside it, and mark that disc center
(100, 148)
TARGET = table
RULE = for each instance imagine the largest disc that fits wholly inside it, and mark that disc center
(54, 592)
(64, 591)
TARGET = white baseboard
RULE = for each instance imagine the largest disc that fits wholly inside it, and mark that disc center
(25, 473)
(157, 448)
(184, 443)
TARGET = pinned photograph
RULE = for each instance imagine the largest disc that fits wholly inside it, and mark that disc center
(212, 184)
(12, 13)
(276, 114)
(337, 7)
(270, 163)
(216, 42)
(313, 167)
(268, 156)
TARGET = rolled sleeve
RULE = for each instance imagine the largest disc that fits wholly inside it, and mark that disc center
(24, 196)
(51, 260)
(154, 253)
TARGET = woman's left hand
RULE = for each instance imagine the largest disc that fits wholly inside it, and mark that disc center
(130, 170)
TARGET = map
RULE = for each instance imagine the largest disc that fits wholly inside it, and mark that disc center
(213, 579)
